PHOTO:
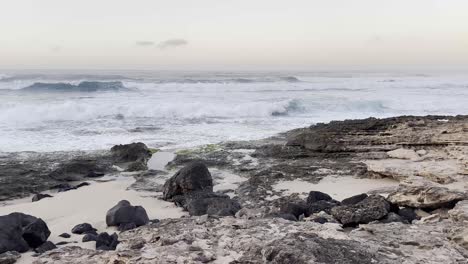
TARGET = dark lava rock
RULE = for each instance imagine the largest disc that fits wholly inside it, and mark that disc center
(126, 226)
(45, 247)
(131, 153)
(107, 242)
(295, 209)
(210, 203)
(193, 177)
(36, 233)
(83, 229)
(61, 243)
(65, 235)
(125, 213)
(408, 214)
(89, 237)
(40, 196)
(19, 232)
(354, 199)
(374, 207)
(315, 196)
(78, 169)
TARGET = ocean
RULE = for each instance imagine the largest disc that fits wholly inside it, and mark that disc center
(184, 109)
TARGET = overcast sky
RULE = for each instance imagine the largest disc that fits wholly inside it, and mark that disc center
(156, 34)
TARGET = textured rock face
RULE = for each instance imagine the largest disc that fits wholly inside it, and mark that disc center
(231, 240)
(460, 212)
(372, 208)
(133, 156)
(19, 232)
(124, 213)
(192, 178)
(425, 196)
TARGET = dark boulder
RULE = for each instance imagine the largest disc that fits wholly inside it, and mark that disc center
(296, 209)
(65, 235)
(408, 214)
(89, 237)
(193, 177)
(45, 247)
(210, 203)
(315, 196)
(105, 241)
(61, 243)
(354, 199)
(125, 213)
(36, 233)
(40, 196)
(374, 207)
(76, 170)
(19, 232)
(83, 229)
(131, 153)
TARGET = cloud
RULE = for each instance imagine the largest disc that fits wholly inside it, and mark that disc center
(144, 43)
(171, 43)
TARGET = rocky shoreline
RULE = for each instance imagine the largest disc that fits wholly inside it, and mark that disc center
(405, 180)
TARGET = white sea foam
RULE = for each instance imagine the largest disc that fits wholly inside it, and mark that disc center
(215, 108)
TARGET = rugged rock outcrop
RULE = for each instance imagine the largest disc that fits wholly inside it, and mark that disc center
(124, 214)
(40, 196)
(194, 177)
(20, 232)
(372, 208)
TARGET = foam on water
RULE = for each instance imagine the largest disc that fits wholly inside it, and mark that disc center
(166, 110)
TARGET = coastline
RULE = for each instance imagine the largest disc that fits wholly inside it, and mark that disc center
(341, 158)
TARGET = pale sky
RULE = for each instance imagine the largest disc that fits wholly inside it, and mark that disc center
(156, 34)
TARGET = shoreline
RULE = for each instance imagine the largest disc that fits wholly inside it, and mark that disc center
(341, 158)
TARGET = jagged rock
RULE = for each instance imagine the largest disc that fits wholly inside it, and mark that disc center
(460, 211)
(374, 207)
(65, 235)
(89, 237)
(430, 197)
(45, 247)
(125, 213)
(105, 241)
(9, 257)
(194, 177)
(354, 199)
(83, 229)
(131, 153)
(315, 196)
(36, 233)
(201, 203)
(19, 232)
(40, 196)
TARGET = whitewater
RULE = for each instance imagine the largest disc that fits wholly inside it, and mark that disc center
(175, 110)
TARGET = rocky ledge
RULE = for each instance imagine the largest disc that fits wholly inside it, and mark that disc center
(421, 217)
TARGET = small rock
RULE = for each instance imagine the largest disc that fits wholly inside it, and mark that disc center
(125, 213)
(61, 243)
(374, 207)
(408, 214)
(40, 196)
(393, 217)
(65, 235)
(45, 247)
(89, 237)
(82, 185)
(83, 228)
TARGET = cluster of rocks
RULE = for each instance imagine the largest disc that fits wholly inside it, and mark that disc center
(21, 232)
(192, 188)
